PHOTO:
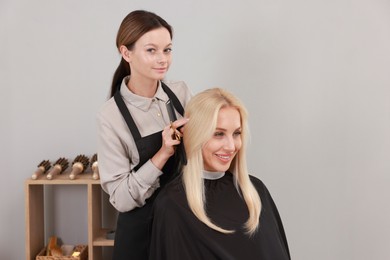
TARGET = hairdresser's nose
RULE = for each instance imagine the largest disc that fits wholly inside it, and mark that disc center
(161, 58)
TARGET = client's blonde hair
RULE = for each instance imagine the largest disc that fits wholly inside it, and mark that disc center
(202, 110)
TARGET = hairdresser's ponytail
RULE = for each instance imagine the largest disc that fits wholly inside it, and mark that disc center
(122, 71)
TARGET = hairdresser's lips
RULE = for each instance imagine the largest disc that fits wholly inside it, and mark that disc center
(160, 70)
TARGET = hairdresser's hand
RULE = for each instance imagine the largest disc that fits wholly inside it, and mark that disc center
(169, 142)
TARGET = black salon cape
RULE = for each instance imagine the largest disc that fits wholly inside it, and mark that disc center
(178, 235)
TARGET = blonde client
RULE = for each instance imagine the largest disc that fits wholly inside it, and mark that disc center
(215, 209)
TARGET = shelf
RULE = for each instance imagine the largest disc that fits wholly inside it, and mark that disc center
(63, 179)
(101, 240)
(34, 205)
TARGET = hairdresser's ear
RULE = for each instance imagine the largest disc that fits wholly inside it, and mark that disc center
(126, 54)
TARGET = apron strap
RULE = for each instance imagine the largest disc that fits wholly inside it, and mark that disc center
(127, 116)
(129, 119)
(173, 97)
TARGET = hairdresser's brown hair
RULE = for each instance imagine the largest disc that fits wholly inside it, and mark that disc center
(133, 26)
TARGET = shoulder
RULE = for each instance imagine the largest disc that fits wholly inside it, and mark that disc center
(181, 90)
(176, 85)
(107, 110)
(263, 191)
(259, 185)
(171, 201)
(171, 195)
(256, 182)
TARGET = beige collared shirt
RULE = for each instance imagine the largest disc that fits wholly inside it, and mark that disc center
(117, 152)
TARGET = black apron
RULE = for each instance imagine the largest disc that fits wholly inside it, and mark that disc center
(132, 233)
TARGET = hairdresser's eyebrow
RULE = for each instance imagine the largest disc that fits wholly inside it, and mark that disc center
(155, 45)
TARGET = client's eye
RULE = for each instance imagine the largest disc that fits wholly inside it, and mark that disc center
(237, 133)
(218, 134)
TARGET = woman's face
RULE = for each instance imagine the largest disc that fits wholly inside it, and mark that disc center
(219, 151)
(151, 55)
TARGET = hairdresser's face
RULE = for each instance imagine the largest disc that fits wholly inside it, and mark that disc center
(220, 150)
(151, 56)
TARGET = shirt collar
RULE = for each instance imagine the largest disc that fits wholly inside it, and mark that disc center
(143, 103)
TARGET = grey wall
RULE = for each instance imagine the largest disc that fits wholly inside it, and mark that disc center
(314, 75)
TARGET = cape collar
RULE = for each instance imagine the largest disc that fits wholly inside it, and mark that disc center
(212, 175)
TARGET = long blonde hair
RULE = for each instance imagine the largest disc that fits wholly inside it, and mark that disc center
(202, 110)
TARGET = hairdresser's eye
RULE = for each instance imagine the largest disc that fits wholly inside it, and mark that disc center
(168, 50)
(237, 133)
(151, 50)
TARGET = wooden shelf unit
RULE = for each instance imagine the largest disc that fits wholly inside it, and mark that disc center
(34, 212)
